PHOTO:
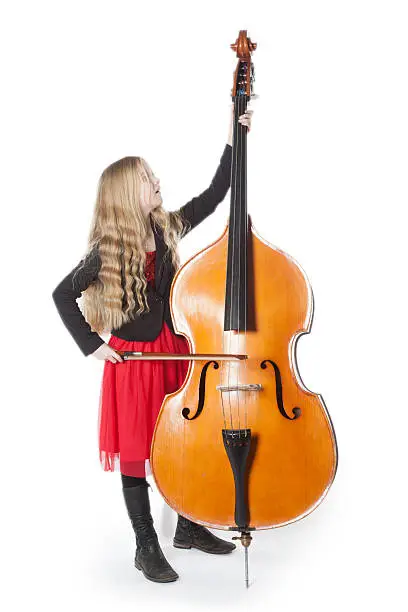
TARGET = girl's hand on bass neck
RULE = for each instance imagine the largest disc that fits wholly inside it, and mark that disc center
(244, 119)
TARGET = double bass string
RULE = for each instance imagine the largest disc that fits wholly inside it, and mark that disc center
(230, 288)
(245, 270)
(226, 365)
(241, 154)
(239, 212)
(236, 200)
(238, 108)
(244, 218)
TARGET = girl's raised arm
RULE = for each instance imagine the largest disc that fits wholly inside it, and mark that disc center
(200, 207)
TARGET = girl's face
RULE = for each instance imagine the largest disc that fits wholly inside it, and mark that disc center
(150, 196)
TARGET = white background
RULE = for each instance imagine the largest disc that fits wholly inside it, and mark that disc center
(85, 83)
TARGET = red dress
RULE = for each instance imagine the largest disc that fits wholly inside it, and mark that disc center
(131, 395)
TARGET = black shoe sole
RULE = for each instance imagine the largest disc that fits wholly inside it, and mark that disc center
(139, 567)
(212, 552)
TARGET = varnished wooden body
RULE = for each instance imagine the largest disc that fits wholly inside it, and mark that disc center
(293, 462)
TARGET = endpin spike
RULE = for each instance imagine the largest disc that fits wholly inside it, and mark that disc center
(245, 539)
(246, 568)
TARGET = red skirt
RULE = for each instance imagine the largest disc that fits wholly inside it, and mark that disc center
(131, 396)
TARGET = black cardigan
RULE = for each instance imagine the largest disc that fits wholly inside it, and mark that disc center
(147, 326)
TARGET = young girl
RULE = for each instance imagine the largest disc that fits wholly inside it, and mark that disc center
(125, 279)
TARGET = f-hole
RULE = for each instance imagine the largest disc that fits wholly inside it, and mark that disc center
(201, 393)
(278, 383)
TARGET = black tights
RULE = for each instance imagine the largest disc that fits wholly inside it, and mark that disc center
(132, 481)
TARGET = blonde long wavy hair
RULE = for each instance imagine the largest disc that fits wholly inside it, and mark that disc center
(118, 231)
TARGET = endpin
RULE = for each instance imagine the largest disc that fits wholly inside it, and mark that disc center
(245, 539)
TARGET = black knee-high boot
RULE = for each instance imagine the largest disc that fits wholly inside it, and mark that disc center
(149, 557)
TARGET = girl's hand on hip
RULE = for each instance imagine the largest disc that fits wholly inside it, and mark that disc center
(106, 353)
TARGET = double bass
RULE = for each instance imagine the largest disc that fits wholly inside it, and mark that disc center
(243, 445)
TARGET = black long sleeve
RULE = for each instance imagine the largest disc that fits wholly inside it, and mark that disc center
(201, 206)
(65, 296)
